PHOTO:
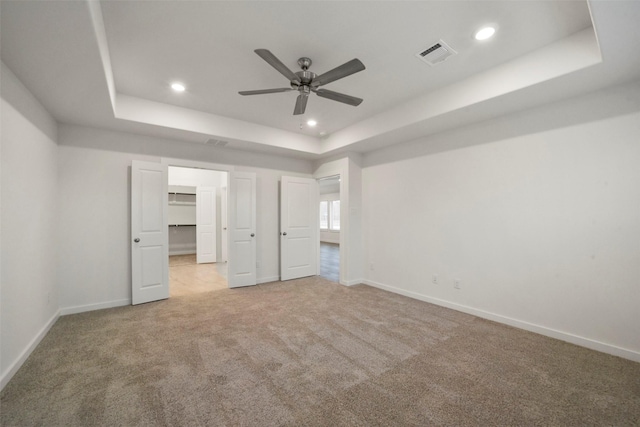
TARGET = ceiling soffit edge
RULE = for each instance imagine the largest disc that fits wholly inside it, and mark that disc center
(565, 56)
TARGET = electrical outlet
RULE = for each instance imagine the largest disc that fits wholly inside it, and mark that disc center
(434, 280)
(456, 283)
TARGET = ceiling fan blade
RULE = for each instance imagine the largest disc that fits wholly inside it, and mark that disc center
(301, 104)
(277, 64)
(263, 91)
(340, 97)
(343, 70)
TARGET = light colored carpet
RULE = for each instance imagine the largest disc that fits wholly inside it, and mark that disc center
(311, 352)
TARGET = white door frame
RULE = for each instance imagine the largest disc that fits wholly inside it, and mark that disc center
(224, 222)
(182, 163)
(344, 224)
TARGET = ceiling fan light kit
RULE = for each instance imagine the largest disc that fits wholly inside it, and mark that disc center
(306, 81)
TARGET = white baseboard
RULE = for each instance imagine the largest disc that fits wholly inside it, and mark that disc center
(542, 330)
(91, 307)
(182, 252)
(268, 279)
(6, 376)
(352, 282)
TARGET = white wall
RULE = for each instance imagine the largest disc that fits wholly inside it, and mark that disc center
(28, 293)
(182, 240)
(537, 214)
(94, 190)
(330, 236)
(353, 216)
(192, 177)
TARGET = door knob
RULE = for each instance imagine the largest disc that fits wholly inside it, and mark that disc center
(284, 234)
(252, 234)
(136, 240)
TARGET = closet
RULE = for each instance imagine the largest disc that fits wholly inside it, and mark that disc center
(194, 213)
(182, 206)
(182, 220)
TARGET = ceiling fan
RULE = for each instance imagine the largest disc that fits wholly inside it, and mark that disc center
(306, 81)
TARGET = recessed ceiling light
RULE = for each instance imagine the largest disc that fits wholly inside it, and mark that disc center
(312, 123)
(178, 87)
(485, 33)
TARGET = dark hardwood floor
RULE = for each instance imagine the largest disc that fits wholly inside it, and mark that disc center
(330, 261)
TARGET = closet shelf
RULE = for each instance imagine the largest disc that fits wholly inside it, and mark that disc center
(171, 202)
(182, 225)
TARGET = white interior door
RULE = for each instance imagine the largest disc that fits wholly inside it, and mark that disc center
(299, 227)
(224, 224)
(149, 232)
(242, 229)
(205, 224)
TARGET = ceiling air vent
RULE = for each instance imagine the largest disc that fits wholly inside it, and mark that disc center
(436, 53)
(216, 142)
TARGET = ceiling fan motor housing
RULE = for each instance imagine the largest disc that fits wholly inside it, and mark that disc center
(305, 76)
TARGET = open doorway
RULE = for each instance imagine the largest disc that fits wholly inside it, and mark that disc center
(330, 227)
(197, 230)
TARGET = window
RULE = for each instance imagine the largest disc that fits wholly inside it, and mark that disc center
(335, 215)
(324, 215)
(330, 215)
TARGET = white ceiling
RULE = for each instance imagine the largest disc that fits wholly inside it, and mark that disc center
(209, 46)
(111, 66)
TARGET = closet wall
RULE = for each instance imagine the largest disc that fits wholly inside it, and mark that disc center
(182, 239)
